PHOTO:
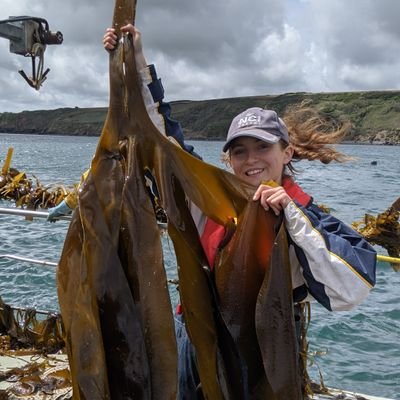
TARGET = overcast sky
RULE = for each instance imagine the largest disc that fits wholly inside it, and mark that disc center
(212, 49)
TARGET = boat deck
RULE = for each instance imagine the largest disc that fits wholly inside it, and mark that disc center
(52, 382)
(35, 377)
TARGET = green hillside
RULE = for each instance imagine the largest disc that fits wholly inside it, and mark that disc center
(375, 116)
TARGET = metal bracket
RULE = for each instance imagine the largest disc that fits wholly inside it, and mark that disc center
(28, 37)
(38, 76)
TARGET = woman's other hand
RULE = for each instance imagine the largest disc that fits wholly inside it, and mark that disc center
(274, 198)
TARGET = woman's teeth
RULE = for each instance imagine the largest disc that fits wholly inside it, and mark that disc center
(254, 172)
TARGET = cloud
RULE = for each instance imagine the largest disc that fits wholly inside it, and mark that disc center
(361, 41)
(211, 49)
(278, 56)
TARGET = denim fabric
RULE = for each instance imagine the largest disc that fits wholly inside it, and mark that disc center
(188, 377)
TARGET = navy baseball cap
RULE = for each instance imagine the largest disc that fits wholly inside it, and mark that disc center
(258, 123)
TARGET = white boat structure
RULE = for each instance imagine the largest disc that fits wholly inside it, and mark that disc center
(42, 371)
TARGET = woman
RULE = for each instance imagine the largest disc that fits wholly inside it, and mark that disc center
(329, 261)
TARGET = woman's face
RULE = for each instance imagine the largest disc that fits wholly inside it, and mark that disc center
(254, 160)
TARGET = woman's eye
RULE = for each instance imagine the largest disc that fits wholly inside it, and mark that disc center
(237, 152)
(263, 146)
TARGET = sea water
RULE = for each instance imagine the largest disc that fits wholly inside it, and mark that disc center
(357, 350)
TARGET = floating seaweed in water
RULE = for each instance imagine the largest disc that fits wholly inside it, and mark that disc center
(383, 230)
(17, 187)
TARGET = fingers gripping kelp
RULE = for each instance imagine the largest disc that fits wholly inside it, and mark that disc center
(112, 285)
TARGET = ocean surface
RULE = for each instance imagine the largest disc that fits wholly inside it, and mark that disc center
(357, 350)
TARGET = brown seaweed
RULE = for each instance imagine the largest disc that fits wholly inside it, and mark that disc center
(38, 380)
(239, 274)
(118, 320)
(25, 331)
(275, 324)
(383, 230)
(111, 280)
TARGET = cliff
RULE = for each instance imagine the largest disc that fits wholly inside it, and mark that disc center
(374, 115)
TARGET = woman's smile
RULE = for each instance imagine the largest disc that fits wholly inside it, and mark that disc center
(253, 172)
(254, 160)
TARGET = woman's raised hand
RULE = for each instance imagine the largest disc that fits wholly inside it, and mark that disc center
(110, 41)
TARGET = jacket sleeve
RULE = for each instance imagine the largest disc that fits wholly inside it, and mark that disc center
(338, 264)
(160, 111)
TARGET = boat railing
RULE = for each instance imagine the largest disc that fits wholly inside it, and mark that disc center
(28, 260)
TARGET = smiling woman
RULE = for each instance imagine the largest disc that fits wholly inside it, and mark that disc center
(257, 154)
(260, 149)
(240, 265)
(255, 160)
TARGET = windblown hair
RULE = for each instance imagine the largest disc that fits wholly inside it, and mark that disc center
(312, 136)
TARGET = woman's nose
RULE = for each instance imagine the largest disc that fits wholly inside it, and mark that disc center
(252, 157)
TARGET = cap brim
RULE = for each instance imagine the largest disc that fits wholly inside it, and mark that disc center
(254, 133)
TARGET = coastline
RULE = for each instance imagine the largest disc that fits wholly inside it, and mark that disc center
(194, 137)
(374, 116)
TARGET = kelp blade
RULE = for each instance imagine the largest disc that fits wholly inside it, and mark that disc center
(111, 276)
(239, 274)
(115, 305)
(275, 326)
